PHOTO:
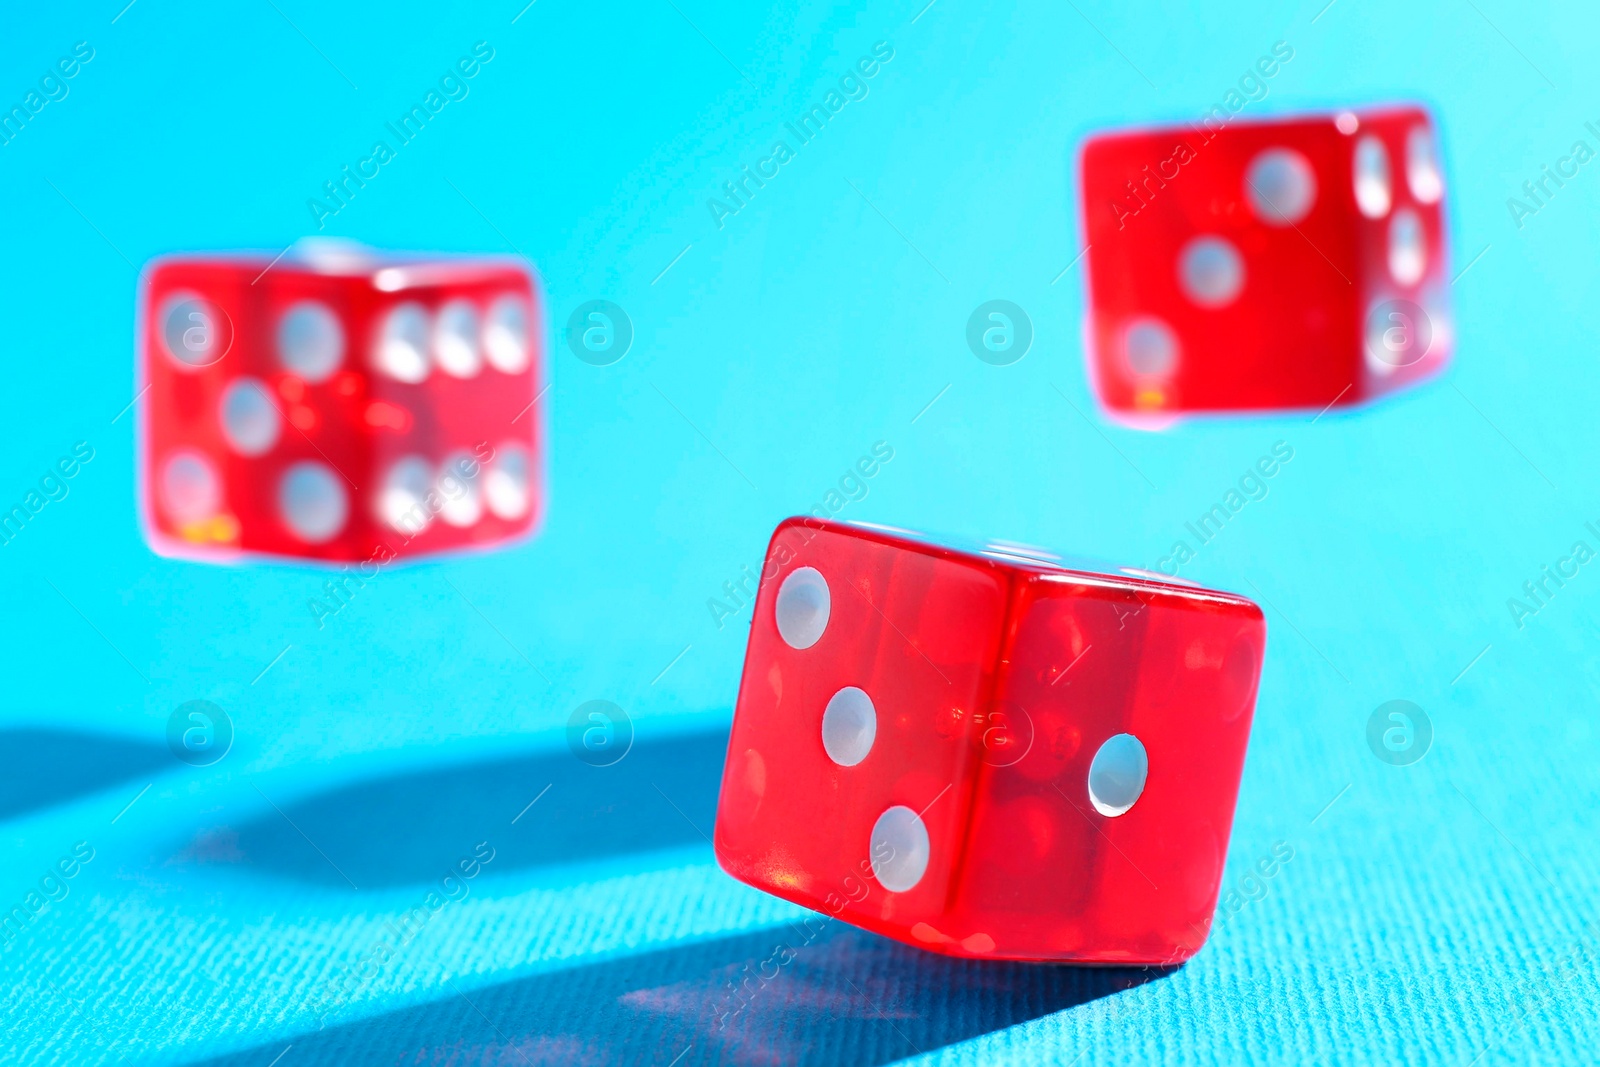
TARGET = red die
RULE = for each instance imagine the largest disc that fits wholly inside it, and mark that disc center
(338, 406)
(986, 753)
(1282, 264)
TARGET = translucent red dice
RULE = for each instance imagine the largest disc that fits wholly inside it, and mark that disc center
(337, 405)
(988, 753)
(1291, 263)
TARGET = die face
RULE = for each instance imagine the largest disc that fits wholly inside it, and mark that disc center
(910, 641)
(274, 424)
(1095, 738)
(225, 424)
(456, 451)
(1235, 268)
(1198, 302)
(1070, 860)
(1398, 196)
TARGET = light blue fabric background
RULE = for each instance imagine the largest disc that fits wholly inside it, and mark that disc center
(1439, 912)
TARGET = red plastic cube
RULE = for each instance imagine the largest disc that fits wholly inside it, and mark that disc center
(1291, 263)
(987, 753)
(338, 405)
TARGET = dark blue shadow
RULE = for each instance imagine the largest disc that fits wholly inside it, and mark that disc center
(843, 997)
(45, 767)
(410, 828)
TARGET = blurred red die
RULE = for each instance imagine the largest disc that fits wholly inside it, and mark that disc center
(1293, 263)
(338, 405)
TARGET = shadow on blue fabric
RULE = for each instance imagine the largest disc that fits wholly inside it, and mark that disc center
(408, 829)
(56, 766)
(838, 997)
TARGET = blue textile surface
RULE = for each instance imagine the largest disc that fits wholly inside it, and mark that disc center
(274, 908)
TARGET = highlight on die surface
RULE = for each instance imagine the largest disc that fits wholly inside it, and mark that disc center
(1287, 263)
(338, 405)
(988, 752)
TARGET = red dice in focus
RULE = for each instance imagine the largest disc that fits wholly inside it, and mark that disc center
(338, 405)
(1295, 263)
(986, 753)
